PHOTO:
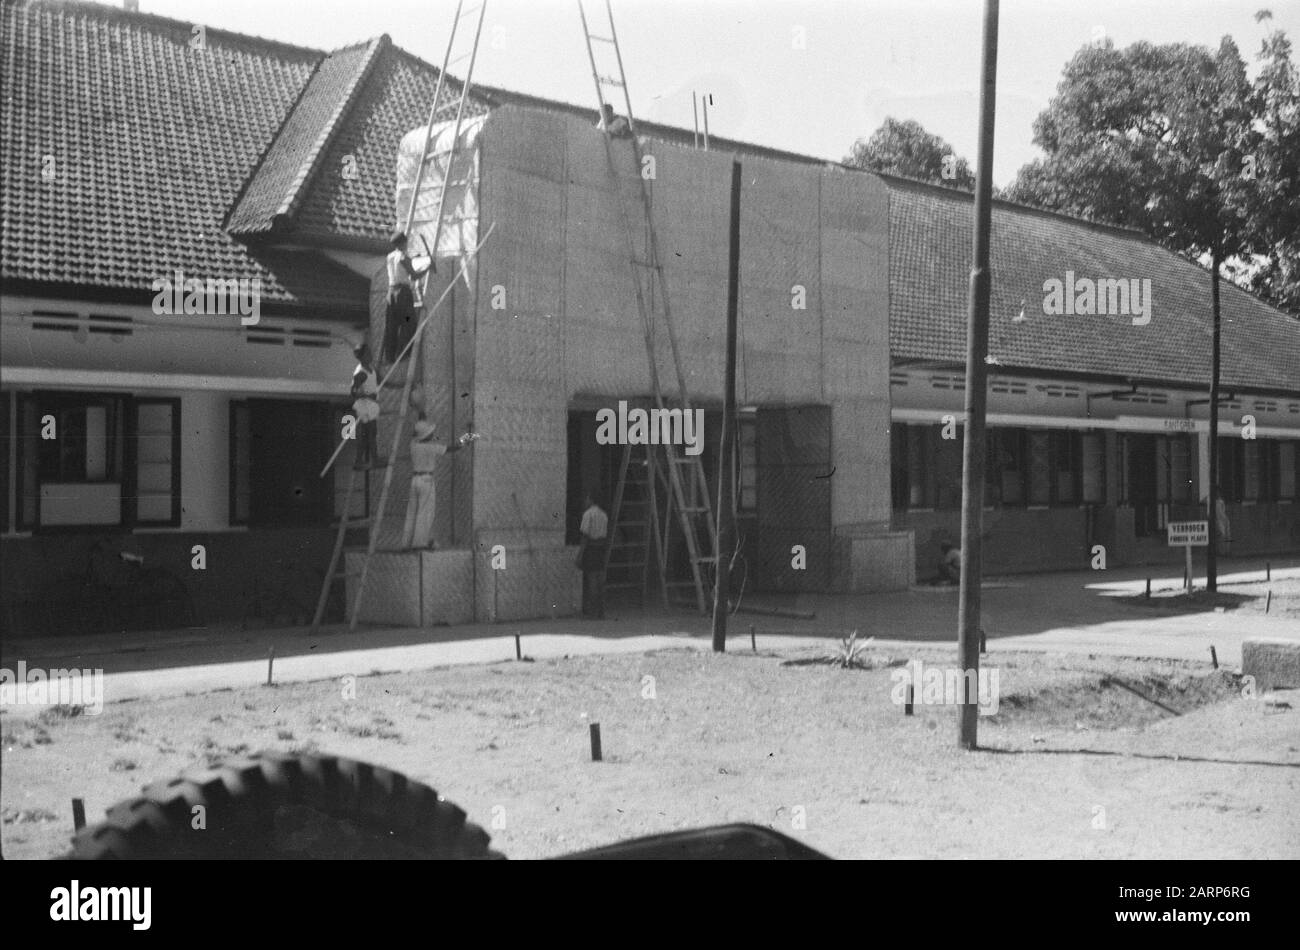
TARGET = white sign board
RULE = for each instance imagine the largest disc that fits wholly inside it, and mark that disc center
(1189, 533)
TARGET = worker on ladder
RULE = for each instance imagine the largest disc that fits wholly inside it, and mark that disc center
(365, 403)
(399, 316)
(615, 124)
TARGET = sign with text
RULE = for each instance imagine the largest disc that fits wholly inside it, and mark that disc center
(1189, 532)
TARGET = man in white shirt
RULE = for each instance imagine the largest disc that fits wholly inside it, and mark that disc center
(591, 558)
(417, 533)
(399, 319)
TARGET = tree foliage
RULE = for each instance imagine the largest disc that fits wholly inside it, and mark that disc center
(905, 148)
(1176, 141)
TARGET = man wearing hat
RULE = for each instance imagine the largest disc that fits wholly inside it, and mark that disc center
(425, 452)
(399, 317)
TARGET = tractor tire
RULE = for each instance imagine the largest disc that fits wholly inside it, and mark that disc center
(274, 805)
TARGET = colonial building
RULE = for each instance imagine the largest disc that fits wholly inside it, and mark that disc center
(141, 153)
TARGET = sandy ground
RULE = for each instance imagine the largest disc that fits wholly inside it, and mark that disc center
(1071, 767)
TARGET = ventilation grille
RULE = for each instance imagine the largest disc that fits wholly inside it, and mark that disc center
(1147, 398)
(266, 334)
(944, 381)
(898, 379)
(1059, 391)
(1265, 405)
(110, 324)
(315, 338)
(1008, 387)
(55, 320)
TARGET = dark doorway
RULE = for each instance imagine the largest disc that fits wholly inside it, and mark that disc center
(288, 440)
(793, 451)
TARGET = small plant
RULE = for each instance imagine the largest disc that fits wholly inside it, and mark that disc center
(849, 653)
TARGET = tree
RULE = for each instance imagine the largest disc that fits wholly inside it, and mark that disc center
(1156, 137)
(1273, 204)
(1107, 136)
(905, 148)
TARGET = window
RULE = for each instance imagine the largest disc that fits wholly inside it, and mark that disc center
(97, 459)
(1093, 447)
(1288, 485)
(1178, 468)
(747, 496)
(157, 453)
(277, 449)
(1229, 469)
(79, 438)
(1007, 467)
(1024, 467)
(1252, 488)
(1040, 469)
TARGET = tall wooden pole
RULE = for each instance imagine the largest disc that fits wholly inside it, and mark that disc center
(977, 347)
(727, 457)
(1212, 495)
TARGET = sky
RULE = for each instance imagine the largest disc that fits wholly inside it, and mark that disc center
(809, 76)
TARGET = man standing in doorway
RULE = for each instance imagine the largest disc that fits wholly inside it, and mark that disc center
(591, 558)
(417, 534)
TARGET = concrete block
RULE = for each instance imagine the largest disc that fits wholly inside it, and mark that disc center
(1273, 661)
(448, 587)
(872, 560)
(392, 594)
(536, 583)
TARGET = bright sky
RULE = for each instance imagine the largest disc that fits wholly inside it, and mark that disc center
(862, 60)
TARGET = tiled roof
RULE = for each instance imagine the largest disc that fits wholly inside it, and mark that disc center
(929, 277)
(151, 141)
(392, 100)
(277, 186)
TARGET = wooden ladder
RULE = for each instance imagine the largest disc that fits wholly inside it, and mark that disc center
(411, 353)
(688, 494)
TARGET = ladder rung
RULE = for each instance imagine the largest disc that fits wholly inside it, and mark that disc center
(694, 509)
(611, 81)
(470, 11)
(603, 39)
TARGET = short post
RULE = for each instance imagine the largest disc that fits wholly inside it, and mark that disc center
(1268, 570)
(907, 705)
(1214, 657)
(984, 644)
(78, 814)
(1148, 595)
(1268, 601)
(270, 664)
(595, 742)
(519, 652)
(753, 640)
(1188, 549)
